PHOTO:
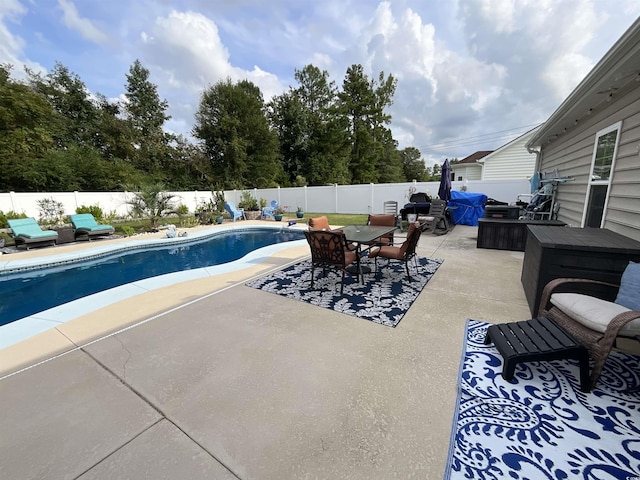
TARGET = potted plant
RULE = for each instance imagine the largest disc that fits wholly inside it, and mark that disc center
(250, 205)
(279, 213)
(300, 212)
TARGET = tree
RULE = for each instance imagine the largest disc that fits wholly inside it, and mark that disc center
(326, 132)
(29, 127)
(413, 166)
(69, 96)
(151, 200)
(232, 126)
(364, 104)
(146, 114)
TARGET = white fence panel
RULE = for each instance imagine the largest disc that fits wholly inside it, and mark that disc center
(367, 198)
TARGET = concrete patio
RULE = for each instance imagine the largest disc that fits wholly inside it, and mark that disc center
(244, 384)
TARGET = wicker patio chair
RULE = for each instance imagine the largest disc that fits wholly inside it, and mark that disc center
(598, 343)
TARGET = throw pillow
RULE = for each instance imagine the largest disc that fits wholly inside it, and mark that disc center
(629, 292)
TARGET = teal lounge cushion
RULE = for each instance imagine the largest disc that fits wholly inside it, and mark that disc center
(29, 228)
(629, 292)
(83, 220)
(98, 228)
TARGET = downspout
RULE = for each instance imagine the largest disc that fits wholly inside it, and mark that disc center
(536, 169)
(538, 153)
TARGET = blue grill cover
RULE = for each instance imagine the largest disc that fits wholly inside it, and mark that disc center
(466, 207)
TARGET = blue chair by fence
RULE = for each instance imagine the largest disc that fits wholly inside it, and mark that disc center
(270, 211)
(234, 211)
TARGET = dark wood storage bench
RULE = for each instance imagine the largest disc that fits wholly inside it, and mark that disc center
(507, 234)
(593, 253)
(536, 340)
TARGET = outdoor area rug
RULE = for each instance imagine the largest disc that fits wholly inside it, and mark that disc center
(542, 426)
(384, 297)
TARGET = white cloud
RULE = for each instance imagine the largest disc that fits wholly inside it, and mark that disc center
(84, 26)
(10, 45)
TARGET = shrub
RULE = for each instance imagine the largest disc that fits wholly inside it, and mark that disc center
(51, 211)
(94, 210)
(248, 202)
(127, 231)
(10, 215)
(151, 200)
(182, 209)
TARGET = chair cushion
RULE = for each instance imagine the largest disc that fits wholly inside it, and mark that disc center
(386, 251)
(319, 223)
(629, 292)
(83, 220)
(593, 312)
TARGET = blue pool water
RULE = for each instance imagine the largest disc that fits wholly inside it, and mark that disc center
(25, 293)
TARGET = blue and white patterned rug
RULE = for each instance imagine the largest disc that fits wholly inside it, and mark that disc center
(384, 297)
(542, 426)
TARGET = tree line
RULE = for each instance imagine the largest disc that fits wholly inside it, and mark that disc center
(57, 136)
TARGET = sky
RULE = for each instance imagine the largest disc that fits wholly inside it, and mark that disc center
(472, 74)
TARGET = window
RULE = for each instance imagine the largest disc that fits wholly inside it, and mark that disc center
(602, 164)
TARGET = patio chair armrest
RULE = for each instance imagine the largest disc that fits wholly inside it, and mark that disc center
(614, 327)
(557, 283)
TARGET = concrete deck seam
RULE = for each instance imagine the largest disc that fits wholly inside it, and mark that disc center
(120, 447)
(156, 408)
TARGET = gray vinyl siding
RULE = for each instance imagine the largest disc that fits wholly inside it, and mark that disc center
(571, 155)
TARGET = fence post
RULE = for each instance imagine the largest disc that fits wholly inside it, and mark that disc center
(371, 186)
(304, 207)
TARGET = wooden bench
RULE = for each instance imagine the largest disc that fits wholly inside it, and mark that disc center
(539, 339)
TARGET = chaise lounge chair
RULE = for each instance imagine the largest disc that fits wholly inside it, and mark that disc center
(85, 224)
(27, 232)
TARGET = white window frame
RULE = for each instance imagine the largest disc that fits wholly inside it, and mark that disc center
(615, 127)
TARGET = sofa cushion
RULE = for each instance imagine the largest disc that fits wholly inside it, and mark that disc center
(629, 292)
(593, 312)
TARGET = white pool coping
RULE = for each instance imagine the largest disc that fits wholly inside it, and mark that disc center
(27, 327)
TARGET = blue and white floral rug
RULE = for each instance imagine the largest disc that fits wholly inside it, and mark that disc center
(384, 297)
(542, 426)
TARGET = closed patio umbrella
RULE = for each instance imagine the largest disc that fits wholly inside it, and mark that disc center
(444, 192)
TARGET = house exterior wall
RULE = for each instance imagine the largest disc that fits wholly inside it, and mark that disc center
(571, 155)
(512, 161)
(467, 171)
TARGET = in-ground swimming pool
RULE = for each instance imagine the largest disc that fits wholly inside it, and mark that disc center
(27, 292)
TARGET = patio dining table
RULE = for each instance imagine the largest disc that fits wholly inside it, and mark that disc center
(365, 234)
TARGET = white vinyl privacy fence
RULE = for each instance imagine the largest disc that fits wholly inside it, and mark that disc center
(366, 198)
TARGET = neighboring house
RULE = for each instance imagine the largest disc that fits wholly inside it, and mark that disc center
(468, 168)
(593, 138)
(510, 161)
